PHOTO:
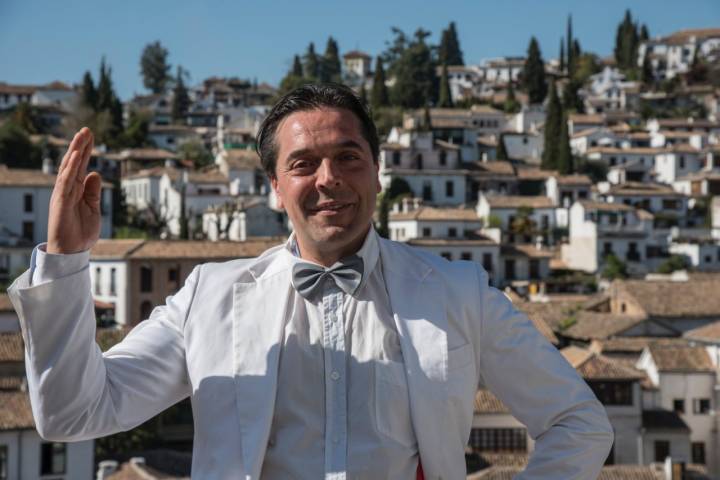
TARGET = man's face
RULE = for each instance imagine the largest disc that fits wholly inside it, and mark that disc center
(325, 178)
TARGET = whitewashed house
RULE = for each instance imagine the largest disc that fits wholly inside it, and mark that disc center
(605, 91)
(673, 55)
(676, 162)
(243, 218)
(583, 140)
(687, 383)
(501, 210)
(565, 190)
(171, 137)
(669, 207)
(411, 219)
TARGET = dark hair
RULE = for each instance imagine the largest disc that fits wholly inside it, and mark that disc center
(311, 97)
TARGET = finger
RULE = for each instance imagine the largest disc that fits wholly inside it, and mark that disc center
(65, 181)
(86, 154)
(93, 187)
(75, 144)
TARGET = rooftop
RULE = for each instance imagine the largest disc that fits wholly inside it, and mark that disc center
(15, 411)
(594, 366)
(425, 213)
(681, 359)
(663, 420)
(517, 201)
(696, 297)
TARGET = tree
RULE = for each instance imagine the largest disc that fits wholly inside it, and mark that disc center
(109, 104)
(297, 68)
(16, 149)
(311, 66)
(627, 40)
(449, 52)
(379, 96)
(196, 152)
(294, 78)
(553, 119)
(511, 104)
(570, 50)
(647, 76)
(533, 74)
(445, 100)
(154, 67)
(672, 264)
(136, 133)
(523, 224)
(614, 268)
(181, 99)
(331, 69)
(415, 73)
(24, 117)
(562, 55)
(363, 93)
(565, 163)
(571, 98)
(501, 152)
(88, 94)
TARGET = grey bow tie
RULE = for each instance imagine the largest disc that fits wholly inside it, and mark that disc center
(307, 277)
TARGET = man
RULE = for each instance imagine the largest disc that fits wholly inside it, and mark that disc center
(336, 355)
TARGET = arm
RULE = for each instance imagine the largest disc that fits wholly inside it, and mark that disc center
(571, 429)
(76, 391)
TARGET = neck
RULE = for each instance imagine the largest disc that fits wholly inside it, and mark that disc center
(329, 254)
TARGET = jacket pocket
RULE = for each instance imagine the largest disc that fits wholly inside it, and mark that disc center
(392, 403)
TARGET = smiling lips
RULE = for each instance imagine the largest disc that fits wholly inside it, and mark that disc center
(329, 208)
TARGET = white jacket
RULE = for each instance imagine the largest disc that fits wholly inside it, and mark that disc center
(218, 341)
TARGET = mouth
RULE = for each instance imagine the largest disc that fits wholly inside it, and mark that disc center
(330, 208)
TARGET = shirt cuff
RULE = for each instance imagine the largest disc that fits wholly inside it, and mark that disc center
(47, 267)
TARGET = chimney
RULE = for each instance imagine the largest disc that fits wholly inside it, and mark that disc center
(106, 468)
(47, 166)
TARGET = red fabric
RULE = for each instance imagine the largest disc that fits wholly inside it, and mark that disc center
(420, 475)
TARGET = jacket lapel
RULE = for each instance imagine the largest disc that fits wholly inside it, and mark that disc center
(417, 298)
(259, 310)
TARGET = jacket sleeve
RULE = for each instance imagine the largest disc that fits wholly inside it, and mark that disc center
(543, 391)
(76, 391)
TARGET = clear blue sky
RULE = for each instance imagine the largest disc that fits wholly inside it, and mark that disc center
(41, 41)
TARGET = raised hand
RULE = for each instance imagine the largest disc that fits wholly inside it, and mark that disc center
(74, 220)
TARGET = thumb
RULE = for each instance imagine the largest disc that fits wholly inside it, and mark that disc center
(93, 186)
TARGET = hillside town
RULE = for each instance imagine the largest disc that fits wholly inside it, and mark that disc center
(587, 186)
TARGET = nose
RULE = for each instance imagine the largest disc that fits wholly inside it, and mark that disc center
(328, 175)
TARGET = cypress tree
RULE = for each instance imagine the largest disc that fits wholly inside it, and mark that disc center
(627, 39)
(312, 63)
(646, 74)
(570, 98)
(562, 55)
(379, 96)
(564, 159)
(105, 92)
(553, 118)
(181, 99)
(449, 51)
(534, 73)
(297, 69)
(330, 71)
(570, 52)
(511, 104)
(88, 94)
(363, 93)
(644, 34)
(445, 100)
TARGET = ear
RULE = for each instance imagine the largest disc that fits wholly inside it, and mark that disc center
(276, 189)
(378, 185)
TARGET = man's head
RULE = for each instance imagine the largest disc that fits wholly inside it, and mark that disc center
(319, 147)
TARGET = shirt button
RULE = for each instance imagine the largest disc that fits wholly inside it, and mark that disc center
(335, 375)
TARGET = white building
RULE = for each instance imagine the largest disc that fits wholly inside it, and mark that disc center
(673, 55)
(501, 210)
(606, 91)
(700, 254)
(669, 207)
(687, 383)
(583, 140)
(676, 162)
(410, 220)
(243, 218)
(357, 64)
(25, 199)
(565, 190)
(523, 146)
(171, 137)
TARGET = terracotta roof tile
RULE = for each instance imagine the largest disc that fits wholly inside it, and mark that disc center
(691, 298)
(574, 180)
(242, 159)
(20, 177)
(487, 402)
(114, 248)
(457, 242)
(204, 250)
(594, 366)
(707, 333)
(5, 305)
(425, 213)
(15, 411)
(681, 359)
(11, 347)
(606, 206)
(515, 201)
(596, 325)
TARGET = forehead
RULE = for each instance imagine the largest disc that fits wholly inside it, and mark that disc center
(318, 128)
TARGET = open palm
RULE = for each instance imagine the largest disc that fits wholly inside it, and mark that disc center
(74, 220)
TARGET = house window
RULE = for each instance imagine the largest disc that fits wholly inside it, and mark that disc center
(498, 439)
(466, 256)
(52, 458)
(146, 279)
(452, 232)
(701, 406)
(487, 262)
(28, 202)
(446, 255)
(427, 192)
(396, 158)
(443, 157)
(449, 188)
(510, 269)
(534, 268)
(582, 194)
(426, 232)
(145, 310)
(662, 450)
(613, 393)
(708, 259)
(613, 161)
(98, 274)
(28, 229)
(607, 249)
(113, 280)
(3, 462)
(698, 453)
(682, 161)
(632, 254)
(679, 405)
(419, 161)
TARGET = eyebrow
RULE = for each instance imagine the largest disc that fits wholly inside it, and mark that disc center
(338, 146)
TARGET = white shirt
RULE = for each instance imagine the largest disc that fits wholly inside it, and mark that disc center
(342, 406)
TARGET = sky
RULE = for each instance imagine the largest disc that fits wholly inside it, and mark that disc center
(43, 41)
